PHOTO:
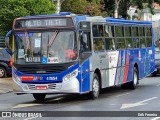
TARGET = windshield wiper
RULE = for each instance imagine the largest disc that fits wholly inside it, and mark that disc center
(50, 42)
(27, 41)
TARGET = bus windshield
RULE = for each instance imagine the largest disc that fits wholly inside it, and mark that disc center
(45, 47)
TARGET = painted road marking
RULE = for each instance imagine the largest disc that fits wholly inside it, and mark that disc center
(122, 94)
(25, 105)
(156, 118)
(158, 85)
(31, 118)
(124, 106)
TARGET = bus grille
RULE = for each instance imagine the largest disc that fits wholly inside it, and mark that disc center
(54, 86)
(42, 71)
(42, 68)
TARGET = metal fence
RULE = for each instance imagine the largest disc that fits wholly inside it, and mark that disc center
(2, 41)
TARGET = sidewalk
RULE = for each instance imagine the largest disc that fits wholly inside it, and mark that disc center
(5, 85)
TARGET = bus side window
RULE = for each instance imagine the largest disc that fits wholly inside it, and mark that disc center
(98, 44)
(135, 42)
(109, 44)
(97, 30)
(120, 41)
(148, 36)
(109, 40)
(128, 37)
(109, 31)
(85, 42)
(135, 37)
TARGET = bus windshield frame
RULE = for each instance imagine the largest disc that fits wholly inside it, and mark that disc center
(45, 47)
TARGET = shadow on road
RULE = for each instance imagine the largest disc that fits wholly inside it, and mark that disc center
(72, 98)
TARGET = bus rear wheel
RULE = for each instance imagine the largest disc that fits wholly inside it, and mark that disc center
(95, 88)
(39, 97)
(133, 84)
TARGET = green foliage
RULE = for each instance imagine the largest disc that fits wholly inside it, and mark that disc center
(109, 7)
(91, 7)
(11, 9)
(75, 6)
(125, 4)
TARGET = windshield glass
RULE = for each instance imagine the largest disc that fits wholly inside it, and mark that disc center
(45, 47)
(157, 55)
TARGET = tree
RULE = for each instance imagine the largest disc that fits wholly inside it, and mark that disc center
(91, 7)
(119, 7)
(11, 9)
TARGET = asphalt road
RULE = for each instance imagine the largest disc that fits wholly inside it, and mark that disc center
(145, 98)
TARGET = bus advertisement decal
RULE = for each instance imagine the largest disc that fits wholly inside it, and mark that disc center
(113, 61)
(27, 78)
(53, 60)
(50, 60)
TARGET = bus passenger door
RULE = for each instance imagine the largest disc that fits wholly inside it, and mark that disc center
(85, 53)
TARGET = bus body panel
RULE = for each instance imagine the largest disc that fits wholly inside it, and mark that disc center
(99, 62)
(24, 83)
(106, 63)
(85, 76)
(120, 68)
(115, 66)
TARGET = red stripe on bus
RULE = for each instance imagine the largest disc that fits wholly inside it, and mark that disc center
(27, 78)
(126, 70)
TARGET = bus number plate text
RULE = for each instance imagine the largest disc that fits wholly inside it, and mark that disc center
(41, 87)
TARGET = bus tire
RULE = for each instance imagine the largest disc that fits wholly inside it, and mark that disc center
(133, 84)
(39, 97)
(95, 87)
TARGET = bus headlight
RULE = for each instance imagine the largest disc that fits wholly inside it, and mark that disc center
(70, 76)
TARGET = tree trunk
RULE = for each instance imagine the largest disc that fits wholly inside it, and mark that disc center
(116, 9)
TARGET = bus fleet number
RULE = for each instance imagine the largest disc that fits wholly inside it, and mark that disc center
(51, 78)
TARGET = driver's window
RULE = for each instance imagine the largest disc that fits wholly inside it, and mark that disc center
(85, 42)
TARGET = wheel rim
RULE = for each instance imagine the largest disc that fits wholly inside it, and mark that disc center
(95, 86)
(135, 78)
(1, 72)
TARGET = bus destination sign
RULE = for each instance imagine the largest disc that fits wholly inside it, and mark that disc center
(43, 22)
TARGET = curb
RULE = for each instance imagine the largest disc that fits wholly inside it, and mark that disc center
(5, 85)
(5, 91)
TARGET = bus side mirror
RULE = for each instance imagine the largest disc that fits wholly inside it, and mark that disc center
(7, 42)
(7, 38)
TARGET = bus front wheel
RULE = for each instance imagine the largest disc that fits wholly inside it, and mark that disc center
(95, 87)
(39, 97)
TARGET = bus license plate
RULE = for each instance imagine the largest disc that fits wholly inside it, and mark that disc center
(41, 87)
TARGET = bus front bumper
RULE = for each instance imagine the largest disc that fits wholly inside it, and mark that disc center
(70, 86)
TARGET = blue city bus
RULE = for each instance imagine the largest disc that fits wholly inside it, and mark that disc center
(79, 54)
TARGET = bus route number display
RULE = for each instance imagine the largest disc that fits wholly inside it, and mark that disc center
(47, 22)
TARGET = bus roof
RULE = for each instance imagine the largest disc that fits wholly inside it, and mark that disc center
(117, 20)
(48, 15)
(79, 18)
